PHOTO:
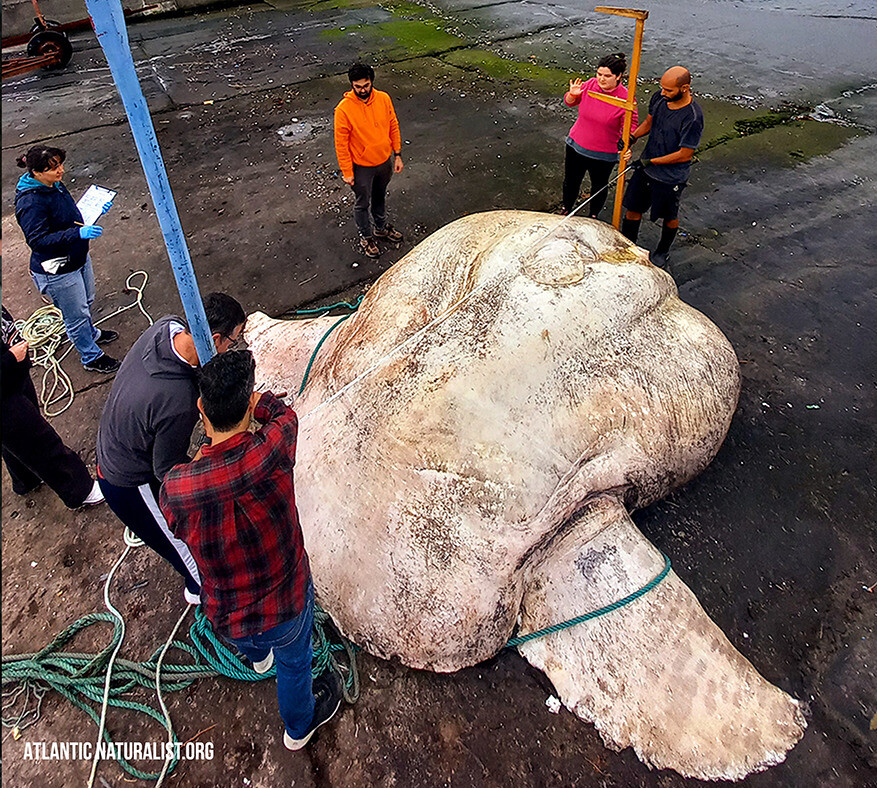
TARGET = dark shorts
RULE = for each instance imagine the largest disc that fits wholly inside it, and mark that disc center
(644, 192)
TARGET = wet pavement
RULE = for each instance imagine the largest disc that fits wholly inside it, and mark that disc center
(776, 538)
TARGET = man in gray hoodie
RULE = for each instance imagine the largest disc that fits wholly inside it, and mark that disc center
(147, 424)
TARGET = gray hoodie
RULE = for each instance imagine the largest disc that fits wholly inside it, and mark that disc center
(148, 418)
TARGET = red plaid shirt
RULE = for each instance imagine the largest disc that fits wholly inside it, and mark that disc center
(235, 509)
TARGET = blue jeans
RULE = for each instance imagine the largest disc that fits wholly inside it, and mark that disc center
(73, 294)
(293, 654)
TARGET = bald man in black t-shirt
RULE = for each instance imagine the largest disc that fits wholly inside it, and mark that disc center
(675, 126)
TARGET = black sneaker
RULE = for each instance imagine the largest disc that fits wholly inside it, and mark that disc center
(106, 336)
(327, 701)
(103, 363)
(659, 259)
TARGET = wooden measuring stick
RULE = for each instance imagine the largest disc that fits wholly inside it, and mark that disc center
(630, 105)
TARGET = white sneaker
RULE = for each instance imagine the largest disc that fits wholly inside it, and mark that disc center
(263, 666)
(296, 744)
(94, 497)
(192, 599)
(327, 701)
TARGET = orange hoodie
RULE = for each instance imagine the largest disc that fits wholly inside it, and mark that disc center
(366, 132)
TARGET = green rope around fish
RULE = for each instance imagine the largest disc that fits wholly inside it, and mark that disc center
(319, 311)
(594, 613)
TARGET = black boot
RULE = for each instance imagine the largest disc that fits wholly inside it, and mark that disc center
(630, 228)
(662, 251)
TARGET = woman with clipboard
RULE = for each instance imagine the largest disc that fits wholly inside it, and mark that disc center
(59, 262)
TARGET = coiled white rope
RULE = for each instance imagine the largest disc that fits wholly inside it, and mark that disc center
(45, 333)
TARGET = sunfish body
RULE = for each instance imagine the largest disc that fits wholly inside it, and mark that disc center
(471, 442)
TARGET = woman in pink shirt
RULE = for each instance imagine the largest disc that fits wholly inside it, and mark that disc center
(592, 144)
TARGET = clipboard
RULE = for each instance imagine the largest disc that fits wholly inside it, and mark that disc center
(91, 204)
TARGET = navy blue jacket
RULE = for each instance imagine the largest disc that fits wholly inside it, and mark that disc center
(47, 214)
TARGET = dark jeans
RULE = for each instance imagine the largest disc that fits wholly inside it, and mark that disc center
(292, 642)
(33, 451)
(137, 507)
(574, 171)
(370, 188)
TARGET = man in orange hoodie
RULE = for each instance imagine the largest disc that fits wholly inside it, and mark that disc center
(368, 145)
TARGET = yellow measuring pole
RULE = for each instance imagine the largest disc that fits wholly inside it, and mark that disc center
(630, 105)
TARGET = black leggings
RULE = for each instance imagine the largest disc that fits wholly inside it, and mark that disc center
(574, 171)
(34, 452)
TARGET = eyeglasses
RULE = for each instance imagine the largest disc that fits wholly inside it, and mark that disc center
(233, 342)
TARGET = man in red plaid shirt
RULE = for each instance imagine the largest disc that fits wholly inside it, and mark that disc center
(234, 507)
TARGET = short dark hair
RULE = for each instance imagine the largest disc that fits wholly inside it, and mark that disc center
(226, 383)
(616, 63)
(224, 313)
(360, 71)
(41, 158)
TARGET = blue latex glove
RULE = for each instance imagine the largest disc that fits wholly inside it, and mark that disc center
(107, 206)
(91, 231)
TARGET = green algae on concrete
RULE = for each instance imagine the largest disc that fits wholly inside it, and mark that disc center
(411, 38)
(415, 32)
(784, 145)
(734, 136)
(400, 38)
(540, 78)
(411, 31)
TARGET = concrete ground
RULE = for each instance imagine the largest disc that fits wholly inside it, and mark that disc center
(776, 537)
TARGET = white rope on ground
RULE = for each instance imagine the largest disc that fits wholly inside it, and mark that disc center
(453, 307)
(131, 541)
(167, 716)
(45, 333)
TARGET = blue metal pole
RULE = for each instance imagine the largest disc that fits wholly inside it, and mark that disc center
(112, 34)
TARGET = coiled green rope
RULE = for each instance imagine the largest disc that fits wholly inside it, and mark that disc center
(80, 677)
(222, 660)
